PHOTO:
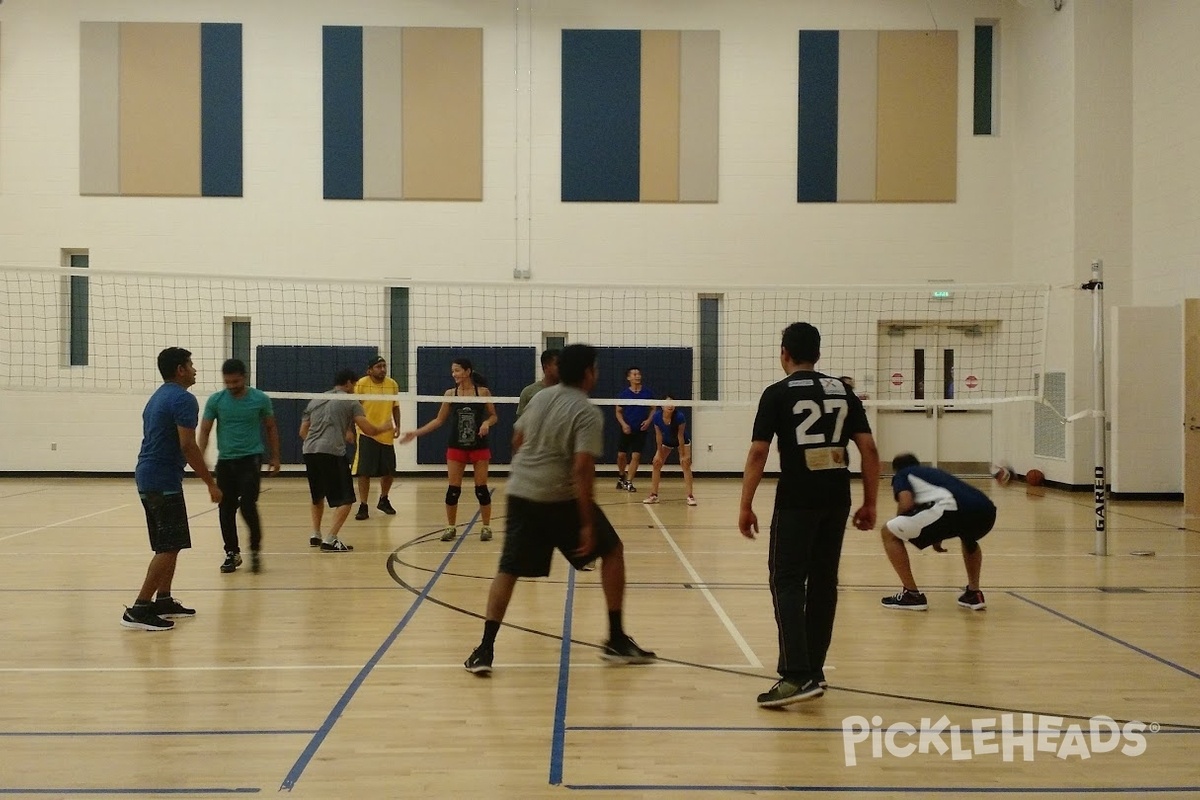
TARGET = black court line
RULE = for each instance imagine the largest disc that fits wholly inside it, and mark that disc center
(1110, 637)
(917, 790)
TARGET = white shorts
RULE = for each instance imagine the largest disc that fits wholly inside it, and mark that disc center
(910, 527)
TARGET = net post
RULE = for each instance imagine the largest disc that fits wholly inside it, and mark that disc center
(1100, 418)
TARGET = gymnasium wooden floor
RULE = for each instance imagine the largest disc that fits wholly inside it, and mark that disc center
(338, 676)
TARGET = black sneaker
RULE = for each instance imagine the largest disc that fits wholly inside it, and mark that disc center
(363, 513)
(905, 600)
(626, 651)
(336, 546)
(169, 607)
(232, 562)
(786, 692)
(255, 562)
(315, 540)
(972, 599)
(480, 661)
(629, 487)
(621, 484)
(385, 506)
(143, 618)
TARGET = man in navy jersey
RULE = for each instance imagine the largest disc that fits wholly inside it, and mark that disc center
(931, 506)
(814, 417)
(633, 421)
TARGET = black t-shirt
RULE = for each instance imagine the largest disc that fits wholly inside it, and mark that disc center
(814, 416)
(465, 420)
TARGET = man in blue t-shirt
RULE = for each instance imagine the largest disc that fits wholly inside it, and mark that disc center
(241, 413)
(168, 443)
(931, 506)
(634, 421)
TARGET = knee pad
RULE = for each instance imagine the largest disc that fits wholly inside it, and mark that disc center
(483, 495)
(970, 545)
(452, 493)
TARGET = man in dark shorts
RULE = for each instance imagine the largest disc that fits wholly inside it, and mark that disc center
(634, 422)
(168, 442)
(325, 427)
(931, 506)
(551, 506)
(375, 456)
(813, 416)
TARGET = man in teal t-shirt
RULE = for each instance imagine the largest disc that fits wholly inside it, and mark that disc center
(241, 413)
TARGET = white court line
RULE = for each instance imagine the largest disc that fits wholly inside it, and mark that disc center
(64, 522)
(712, 601)
(317, 667)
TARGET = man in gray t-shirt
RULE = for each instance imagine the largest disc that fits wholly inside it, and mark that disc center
(325, 426)
(551, 506)
(549, 378)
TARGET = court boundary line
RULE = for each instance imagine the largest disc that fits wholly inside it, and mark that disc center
(132, 791)
(64, 522)
(306, 756)
(698, 582)
(558, 739)
(1109, 636)
(82, 734)
(917, 790)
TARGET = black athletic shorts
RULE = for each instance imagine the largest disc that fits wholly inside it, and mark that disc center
(166, 521)
(329, 479)
(632, 442)
(926, 526)
(535, 530)
(373, 459)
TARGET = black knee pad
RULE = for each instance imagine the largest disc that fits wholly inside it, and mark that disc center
(452, 493)
(483, 495)
(970, 545)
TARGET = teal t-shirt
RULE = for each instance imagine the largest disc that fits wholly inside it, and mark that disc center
(239, 422)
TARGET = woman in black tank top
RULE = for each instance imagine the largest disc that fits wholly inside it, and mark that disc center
(470, 424)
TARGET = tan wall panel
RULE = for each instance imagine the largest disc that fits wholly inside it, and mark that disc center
(918, 109)
(160, 109)
(699, 116)
(1191, 406)
(442, 110)
(382, 119)
(659, 143)
(99, 107)
(858, 79)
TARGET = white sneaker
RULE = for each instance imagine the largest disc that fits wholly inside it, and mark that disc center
(691, 501)
(651, 500)
(449, 534)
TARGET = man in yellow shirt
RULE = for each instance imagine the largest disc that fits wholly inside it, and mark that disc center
(375, 456)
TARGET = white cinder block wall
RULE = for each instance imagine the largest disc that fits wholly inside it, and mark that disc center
(1015, 219)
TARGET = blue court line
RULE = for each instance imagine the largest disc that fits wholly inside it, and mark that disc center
(340, 706)
(1109, 636)
(765, 729)
(241, 790)
(281, 732)
(918, 790)
(558, 742)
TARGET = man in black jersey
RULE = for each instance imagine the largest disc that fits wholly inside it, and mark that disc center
(814, 416)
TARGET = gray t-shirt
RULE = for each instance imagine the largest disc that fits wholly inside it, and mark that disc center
(527, 394)
(559, 422)
(328, 421)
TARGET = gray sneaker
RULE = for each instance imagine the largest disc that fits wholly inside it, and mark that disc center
(786, 692)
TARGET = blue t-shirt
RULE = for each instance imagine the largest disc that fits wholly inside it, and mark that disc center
(934, 487)
(160, 461)
(669, 428)
(635, 415)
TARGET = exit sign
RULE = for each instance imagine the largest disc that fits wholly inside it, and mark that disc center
(941, 294)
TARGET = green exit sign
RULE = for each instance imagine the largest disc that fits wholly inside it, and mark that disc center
(941, 294)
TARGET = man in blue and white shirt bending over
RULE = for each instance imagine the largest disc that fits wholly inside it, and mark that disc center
(931, 506)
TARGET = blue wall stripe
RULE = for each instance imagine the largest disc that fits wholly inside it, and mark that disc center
(818, 126)
(220, 109)
(601, 115)
(342, 86)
